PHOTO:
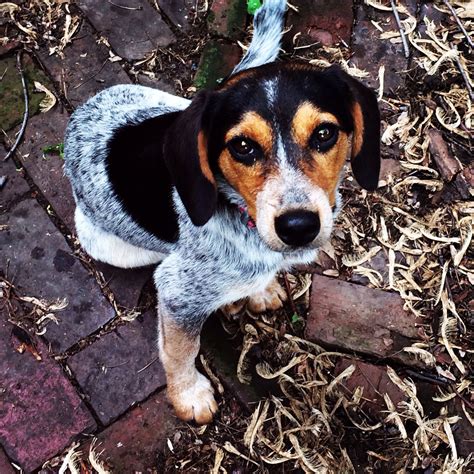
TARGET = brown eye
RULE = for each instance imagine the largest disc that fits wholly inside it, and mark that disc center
(244, 150)
(324, 137)
(324, 134)
(242, 147)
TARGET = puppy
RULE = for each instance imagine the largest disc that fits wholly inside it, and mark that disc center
(226, 191)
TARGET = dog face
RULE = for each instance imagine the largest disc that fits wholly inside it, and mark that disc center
(279, 135)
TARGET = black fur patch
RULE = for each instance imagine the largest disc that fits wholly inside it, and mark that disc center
(140, 177)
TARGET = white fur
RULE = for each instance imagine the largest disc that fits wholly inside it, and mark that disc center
(109, 248)
(265, 44)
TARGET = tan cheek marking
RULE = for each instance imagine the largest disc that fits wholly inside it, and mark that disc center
(253, 126)
(357, 138)
(203, 159)
(247, 180)
(307, 117)
(324, 170)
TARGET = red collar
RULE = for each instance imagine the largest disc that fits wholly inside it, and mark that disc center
(245, 217)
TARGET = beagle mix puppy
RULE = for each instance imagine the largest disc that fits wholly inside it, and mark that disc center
(225, 191)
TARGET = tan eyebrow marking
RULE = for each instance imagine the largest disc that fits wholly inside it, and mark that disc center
(254, 126)
(306, 119)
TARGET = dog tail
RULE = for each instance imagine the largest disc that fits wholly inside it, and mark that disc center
(268, 28)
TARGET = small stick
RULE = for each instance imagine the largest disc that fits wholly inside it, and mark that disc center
(400, 28)
(124, 7)
(463, 74)
(25, 115)
(458, 21)
(290, 296)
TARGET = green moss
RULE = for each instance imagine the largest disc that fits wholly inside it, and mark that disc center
(11, 91)
(210, 66)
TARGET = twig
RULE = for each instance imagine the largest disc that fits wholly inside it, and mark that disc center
(458, 21)
(25, 115)
(400, 28)
(290, 296)
(124, 7)
(463, 73)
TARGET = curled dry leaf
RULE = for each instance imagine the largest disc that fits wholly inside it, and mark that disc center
(49, 101)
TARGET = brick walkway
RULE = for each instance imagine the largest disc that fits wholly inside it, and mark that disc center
(96, 370)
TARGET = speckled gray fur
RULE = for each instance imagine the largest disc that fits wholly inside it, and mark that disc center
(209, 266)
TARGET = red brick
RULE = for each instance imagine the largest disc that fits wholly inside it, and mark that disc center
(227, 18)
(326, 22)
(40, 412)
(375, 382)
(85, 69)
(132, 443)
(134, 31)
(43, 266)
(360, 319)
(109, 371)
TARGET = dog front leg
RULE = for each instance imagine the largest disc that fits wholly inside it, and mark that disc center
(190, 393)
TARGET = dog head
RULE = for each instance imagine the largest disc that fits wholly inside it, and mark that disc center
(279, 136)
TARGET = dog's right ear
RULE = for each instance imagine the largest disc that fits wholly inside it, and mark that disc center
(186, 156)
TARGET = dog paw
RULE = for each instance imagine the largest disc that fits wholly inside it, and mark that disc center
(234, 308)
(270, 299)
(195, 401)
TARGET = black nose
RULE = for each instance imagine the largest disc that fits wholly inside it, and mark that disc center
(297, 228)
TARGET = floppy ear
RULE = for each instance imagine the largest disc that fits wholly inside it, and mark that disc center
(186, 157)
(365, 158)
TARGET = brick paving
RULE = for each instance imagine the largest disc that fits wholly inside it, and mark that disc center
(111, 383)
(114, 380)
(40, 411)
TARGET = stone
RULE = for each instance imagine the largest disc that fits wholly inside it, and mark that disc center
(46, 169)
(44, 267)
(179, 12)
(85, 69)
(159, 82)
(5, 465)
(11, 91)
(356, 318)
(132, 27)
(217, 61)
(375, 382)
(132, 444)
(320, 21)
(370, 52)
(126, 284)
(227, 18)
(446, 163)
(15, 188)
(40, 411)
(121, 368)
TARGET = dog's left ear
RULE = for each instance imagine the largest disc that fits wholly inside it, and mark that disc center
(187, 160)
(365, 158)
